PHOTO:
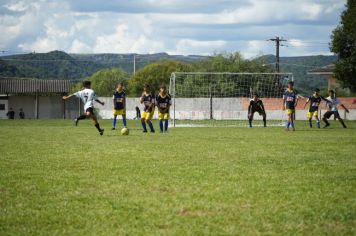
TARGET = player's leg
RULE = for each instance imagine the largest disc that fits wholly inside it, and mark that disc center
(114, 121)
(250, 118)
(326, 116)
(124, 120)
(310, 117)
(148, 121)
(292, 120)
(143, 122)
(90, 113)
(81, 117)
(264, 117)
(166, 117)
(160, 118)
(337, 116)
(317, 119)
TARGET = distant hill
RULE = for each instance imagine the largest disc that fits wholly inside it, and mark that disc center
(60, 65)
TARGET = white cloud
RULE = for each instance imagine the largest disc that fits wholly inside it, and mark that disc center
(179, 27)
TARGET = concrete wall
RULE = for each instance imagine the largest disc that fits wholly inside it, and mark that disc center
(185, 108)
(223, 108)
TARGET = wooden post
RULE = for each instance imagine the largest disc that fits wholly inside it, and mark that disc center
(37, 103)
(64, 107)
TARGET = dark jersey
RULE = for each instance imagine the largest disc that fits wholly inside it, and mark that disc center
(314, 103)
(119, 98)
(163, 102)
(148, 101)
(256, 106)
(290, 97)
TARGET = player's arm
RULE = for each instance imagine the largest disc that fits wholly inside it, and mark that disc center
(67, 97)
(263, 107)
(113, 101)
(100, 102)
(284, 103)
(249, 108)
(141, 98)
(347, 110)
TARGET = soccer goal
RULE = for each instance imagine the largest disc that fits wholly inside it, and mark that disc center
(205, 99)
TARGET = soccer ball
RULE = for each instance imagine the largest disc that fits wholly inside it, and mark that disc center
(125, 131)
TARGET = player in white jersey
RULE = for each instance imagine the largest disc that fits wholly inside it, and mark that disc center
(87, 95)
(332, 109)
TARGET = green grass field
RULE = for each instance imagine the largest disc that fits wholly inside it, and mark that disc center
(57, 179)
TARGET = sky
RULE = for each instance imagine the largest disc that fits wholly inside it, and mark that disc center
(185, 27)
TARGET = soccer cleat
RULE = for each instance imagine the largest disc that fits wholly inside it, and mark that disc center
(327, 125)
(101, 131)
(76, 121)
(112, 128)
(152, 131)
(144, 131)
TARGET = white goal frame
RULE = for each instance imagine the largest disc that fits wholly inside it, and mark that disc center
(173, 83)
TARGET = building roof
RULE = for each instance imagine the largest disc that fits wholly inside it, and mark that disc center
(33, 86)
(325, 70)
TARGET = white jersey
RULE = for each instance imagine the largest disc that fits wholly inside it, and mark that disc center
(334, 102)
(87, 96)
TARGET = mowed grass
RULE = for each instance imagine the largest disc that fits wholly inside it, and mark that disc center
(57, 179)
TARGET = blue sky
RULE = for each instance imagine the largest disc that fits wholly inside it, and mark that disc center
(174, 26)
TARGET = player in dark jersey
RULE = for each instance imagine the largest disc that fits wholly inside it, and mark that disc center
(314, 101)
(148, 100)
(290, 100)
(163, 101)
(256, 105)
(119, 103)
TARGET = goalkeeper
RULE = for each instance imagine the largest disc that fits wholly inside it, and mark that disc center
(256, 105)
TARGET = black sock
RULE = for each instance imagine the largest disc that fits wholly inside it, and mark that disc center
(326, 121)
(250, 122)
(343, 124)
(310, 123)
(82, 117)
(98, 127)
(264, 122)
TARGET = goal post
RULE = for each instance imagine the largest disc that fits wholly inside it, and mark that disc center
(204, 99)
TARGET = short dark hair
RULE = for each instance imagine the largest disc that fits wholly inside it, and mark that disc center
(86, 83)
(121, 83)
(331, 91)
(291, 83)
(316, 90)
(163, 86)
(146, 86)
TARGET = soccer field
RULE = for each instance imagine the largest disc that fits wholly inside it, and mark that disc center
(57, 179)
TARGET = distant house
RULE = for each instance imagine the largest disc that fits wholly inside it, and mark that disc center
(37, 98)
(327, 72)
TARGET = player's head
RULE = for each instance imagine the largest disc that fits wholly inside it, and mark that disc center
(331, 93)
(290, 85)
(86, 84)
(120, 86)
(317, 91)
(163, 89)
(146, 88)
(255, 96)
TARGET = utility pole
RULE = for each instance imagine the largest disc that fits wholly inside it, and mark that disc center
(278, 41)
(134, 64)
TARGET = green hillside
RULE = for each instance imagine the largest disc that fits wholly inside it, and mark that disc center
(60, 65)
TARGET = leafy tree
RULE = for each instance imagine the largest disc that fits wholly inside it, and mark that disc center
(105, 81)
(155, 74)
(232, 62)
(344, 45)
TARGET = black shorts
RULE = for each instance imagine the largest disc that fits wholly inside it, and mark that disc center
(328, 114)
(260, 112)
(90, 110)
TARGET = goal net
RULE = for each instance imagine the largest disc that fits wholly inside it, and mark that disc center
(222, 99)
